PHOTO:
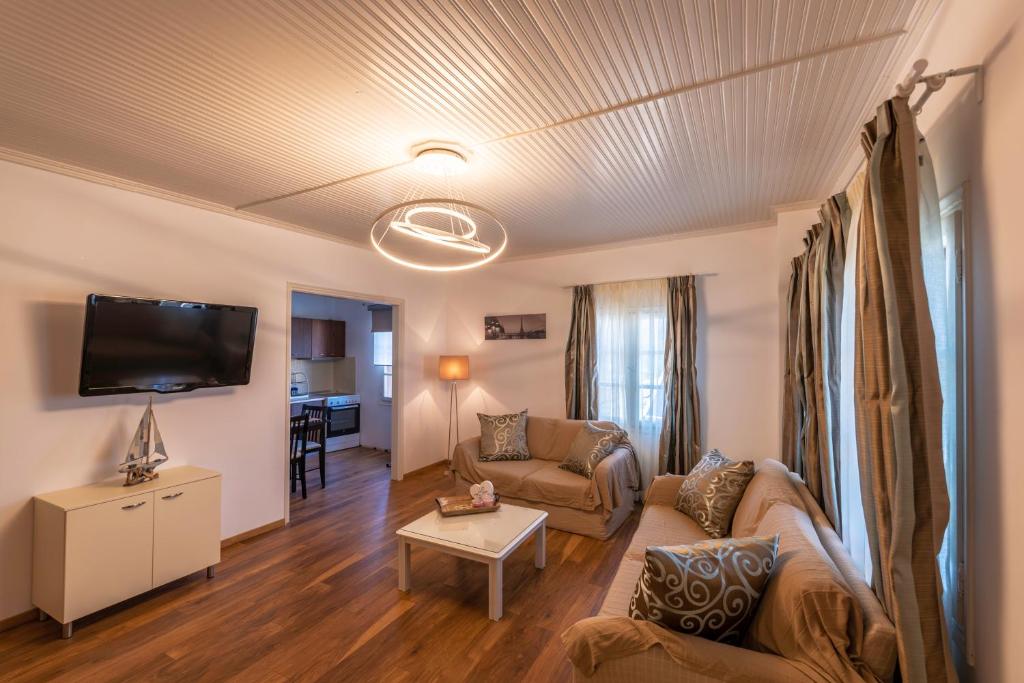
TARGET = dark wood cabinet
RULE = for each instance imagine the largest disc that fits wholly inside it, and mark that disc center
(315, 339)
(302, 338)
(336, 338)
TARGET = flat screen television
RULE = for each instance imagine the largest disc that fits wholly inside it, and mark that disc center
(133, 345)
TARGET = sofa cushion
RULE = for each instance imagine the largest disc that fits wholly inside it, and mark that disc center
(807, 613)
(591, 445)
(771, 484)
(506, 475)
(558, 487)
(503, 437)
(662, 525)
(549, 438)
(712, 490)
(707, 589)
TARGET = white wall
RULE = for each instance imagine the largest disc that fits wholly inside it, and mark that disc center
(738, 331)
(374, 415)
(984, 144)
(62, 238)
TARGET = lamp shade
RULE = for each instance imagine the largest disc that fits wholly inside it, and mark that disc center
(453, 368)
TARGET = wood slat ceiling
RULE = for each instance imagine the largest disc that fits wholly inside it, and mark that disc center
(233, 102)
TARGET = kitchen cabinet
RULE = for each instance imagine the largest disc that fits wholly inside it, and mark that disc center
(314, 339)
(302, 338)
(328, 339)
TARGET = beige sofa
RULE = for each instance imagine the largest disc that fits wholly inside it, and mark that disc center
(836, 632)
(592, 507)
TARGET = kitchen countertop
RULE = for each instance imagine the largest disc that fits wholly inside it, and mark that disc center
(316, 396)
(311, 397)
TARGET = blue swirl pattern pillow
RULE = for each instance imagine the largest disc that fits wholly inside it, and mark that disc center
(708, 589)
(712, 490)
(503, 437)
(592, 445)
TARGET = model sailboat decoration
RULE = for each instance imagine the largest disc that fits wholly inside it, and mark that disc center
(146, 452)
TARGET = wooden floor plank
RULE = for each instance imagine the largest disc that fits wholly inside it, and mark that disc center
(318, 601)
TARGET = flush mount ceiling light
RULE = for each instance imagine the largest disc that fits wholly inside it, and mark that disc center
(439, 234)
(440, 158)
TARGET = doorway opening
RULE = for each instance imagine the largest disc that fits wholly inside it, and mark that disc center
(341, 387)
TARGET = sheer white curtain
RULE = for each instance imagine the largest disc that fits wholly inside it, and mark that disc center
(631, 319)
(851, 505)
(938, 251)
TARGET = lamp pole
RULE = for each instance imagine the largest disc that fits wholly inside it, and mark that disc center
(453, 414)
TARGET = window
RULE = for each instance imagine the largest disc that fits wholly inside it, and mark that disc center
(946, 267)
(382, 357)
(385, 394)
(631, 320)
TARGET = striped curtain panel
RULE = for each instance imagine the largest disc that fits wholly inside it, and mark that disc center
(581, 357)
(680, 433)
(898, 399)
(792, 384)
(811, 381)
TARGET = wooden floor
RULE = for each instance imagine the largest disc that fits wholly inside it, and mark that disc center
(318, 601)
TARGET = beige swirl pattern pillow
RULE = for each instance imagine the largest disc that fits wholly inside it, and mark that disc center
(503, 437)
(591, 445)
(711, 491)
(709, 589)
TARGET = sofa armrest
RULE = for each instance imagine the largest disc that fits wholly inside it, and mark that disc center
(466, 451)
(616, 479)
(663, 490)
(619, 648)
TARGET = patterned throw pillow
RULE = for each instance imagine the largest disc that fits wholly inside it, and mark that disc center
(591, 445)
(503, 437)
(712, 490)
(708, 589)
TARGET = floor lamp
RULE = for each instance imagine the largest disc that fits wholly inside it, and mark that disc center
(453, 369)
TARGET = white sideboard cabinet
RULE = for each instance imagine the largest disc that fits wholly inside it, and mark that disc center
(97, 545)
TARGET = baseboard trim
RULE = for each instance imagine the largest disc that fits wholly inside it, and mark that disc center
(18, 619)
(251, 533)
(426, 467)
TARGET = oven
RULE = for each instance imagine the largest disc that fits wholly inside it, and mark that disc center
(342, 422)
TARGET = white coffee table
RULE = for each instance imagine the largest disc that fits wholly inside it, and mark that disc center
(488, 537)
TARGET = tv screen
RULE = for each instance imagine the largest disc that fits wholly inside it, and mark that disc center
(165, 346)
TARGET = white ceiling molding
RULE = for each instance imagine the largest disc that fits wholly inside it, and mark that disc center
(71, 171)
(614, 122)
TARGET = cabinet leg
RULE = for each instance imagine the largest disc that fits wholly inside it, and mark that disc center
(210, 571)
(41, 616)
(65, 630)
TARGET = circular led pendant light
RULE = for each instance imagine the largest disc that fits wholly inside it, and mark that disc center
(439, 235)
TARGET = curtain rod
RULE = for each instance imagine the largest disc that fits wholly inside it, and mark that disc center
(639, 279)
(934, 82)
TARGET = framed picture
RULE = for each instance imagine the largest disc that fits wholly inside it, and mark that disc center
(524, 326)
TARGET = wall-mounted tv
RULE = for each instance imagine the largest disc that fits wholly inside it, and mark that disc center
(160, 345)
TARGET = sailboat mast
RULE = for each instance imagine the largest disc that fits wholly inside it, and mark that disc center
(146, 428)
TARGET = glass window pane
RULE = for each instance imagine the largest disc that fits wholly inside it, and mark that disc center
(382, 348)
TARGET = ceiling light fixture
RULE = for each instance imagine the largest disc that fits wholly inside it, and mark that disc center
(450, 226)
(440, 158)
(455, 238)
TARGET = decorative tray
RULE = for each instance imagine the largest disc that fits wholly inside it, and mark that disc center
(453, 506)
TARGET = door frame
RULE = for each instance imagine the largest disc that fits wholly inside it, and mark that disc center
(397, 372)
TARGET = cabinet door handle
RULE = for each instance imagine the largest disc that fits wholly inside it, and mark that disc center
(133, 505)
(172, 496)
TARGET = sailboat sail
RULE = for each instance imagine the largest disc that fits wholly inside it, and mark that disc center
(146, 452)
